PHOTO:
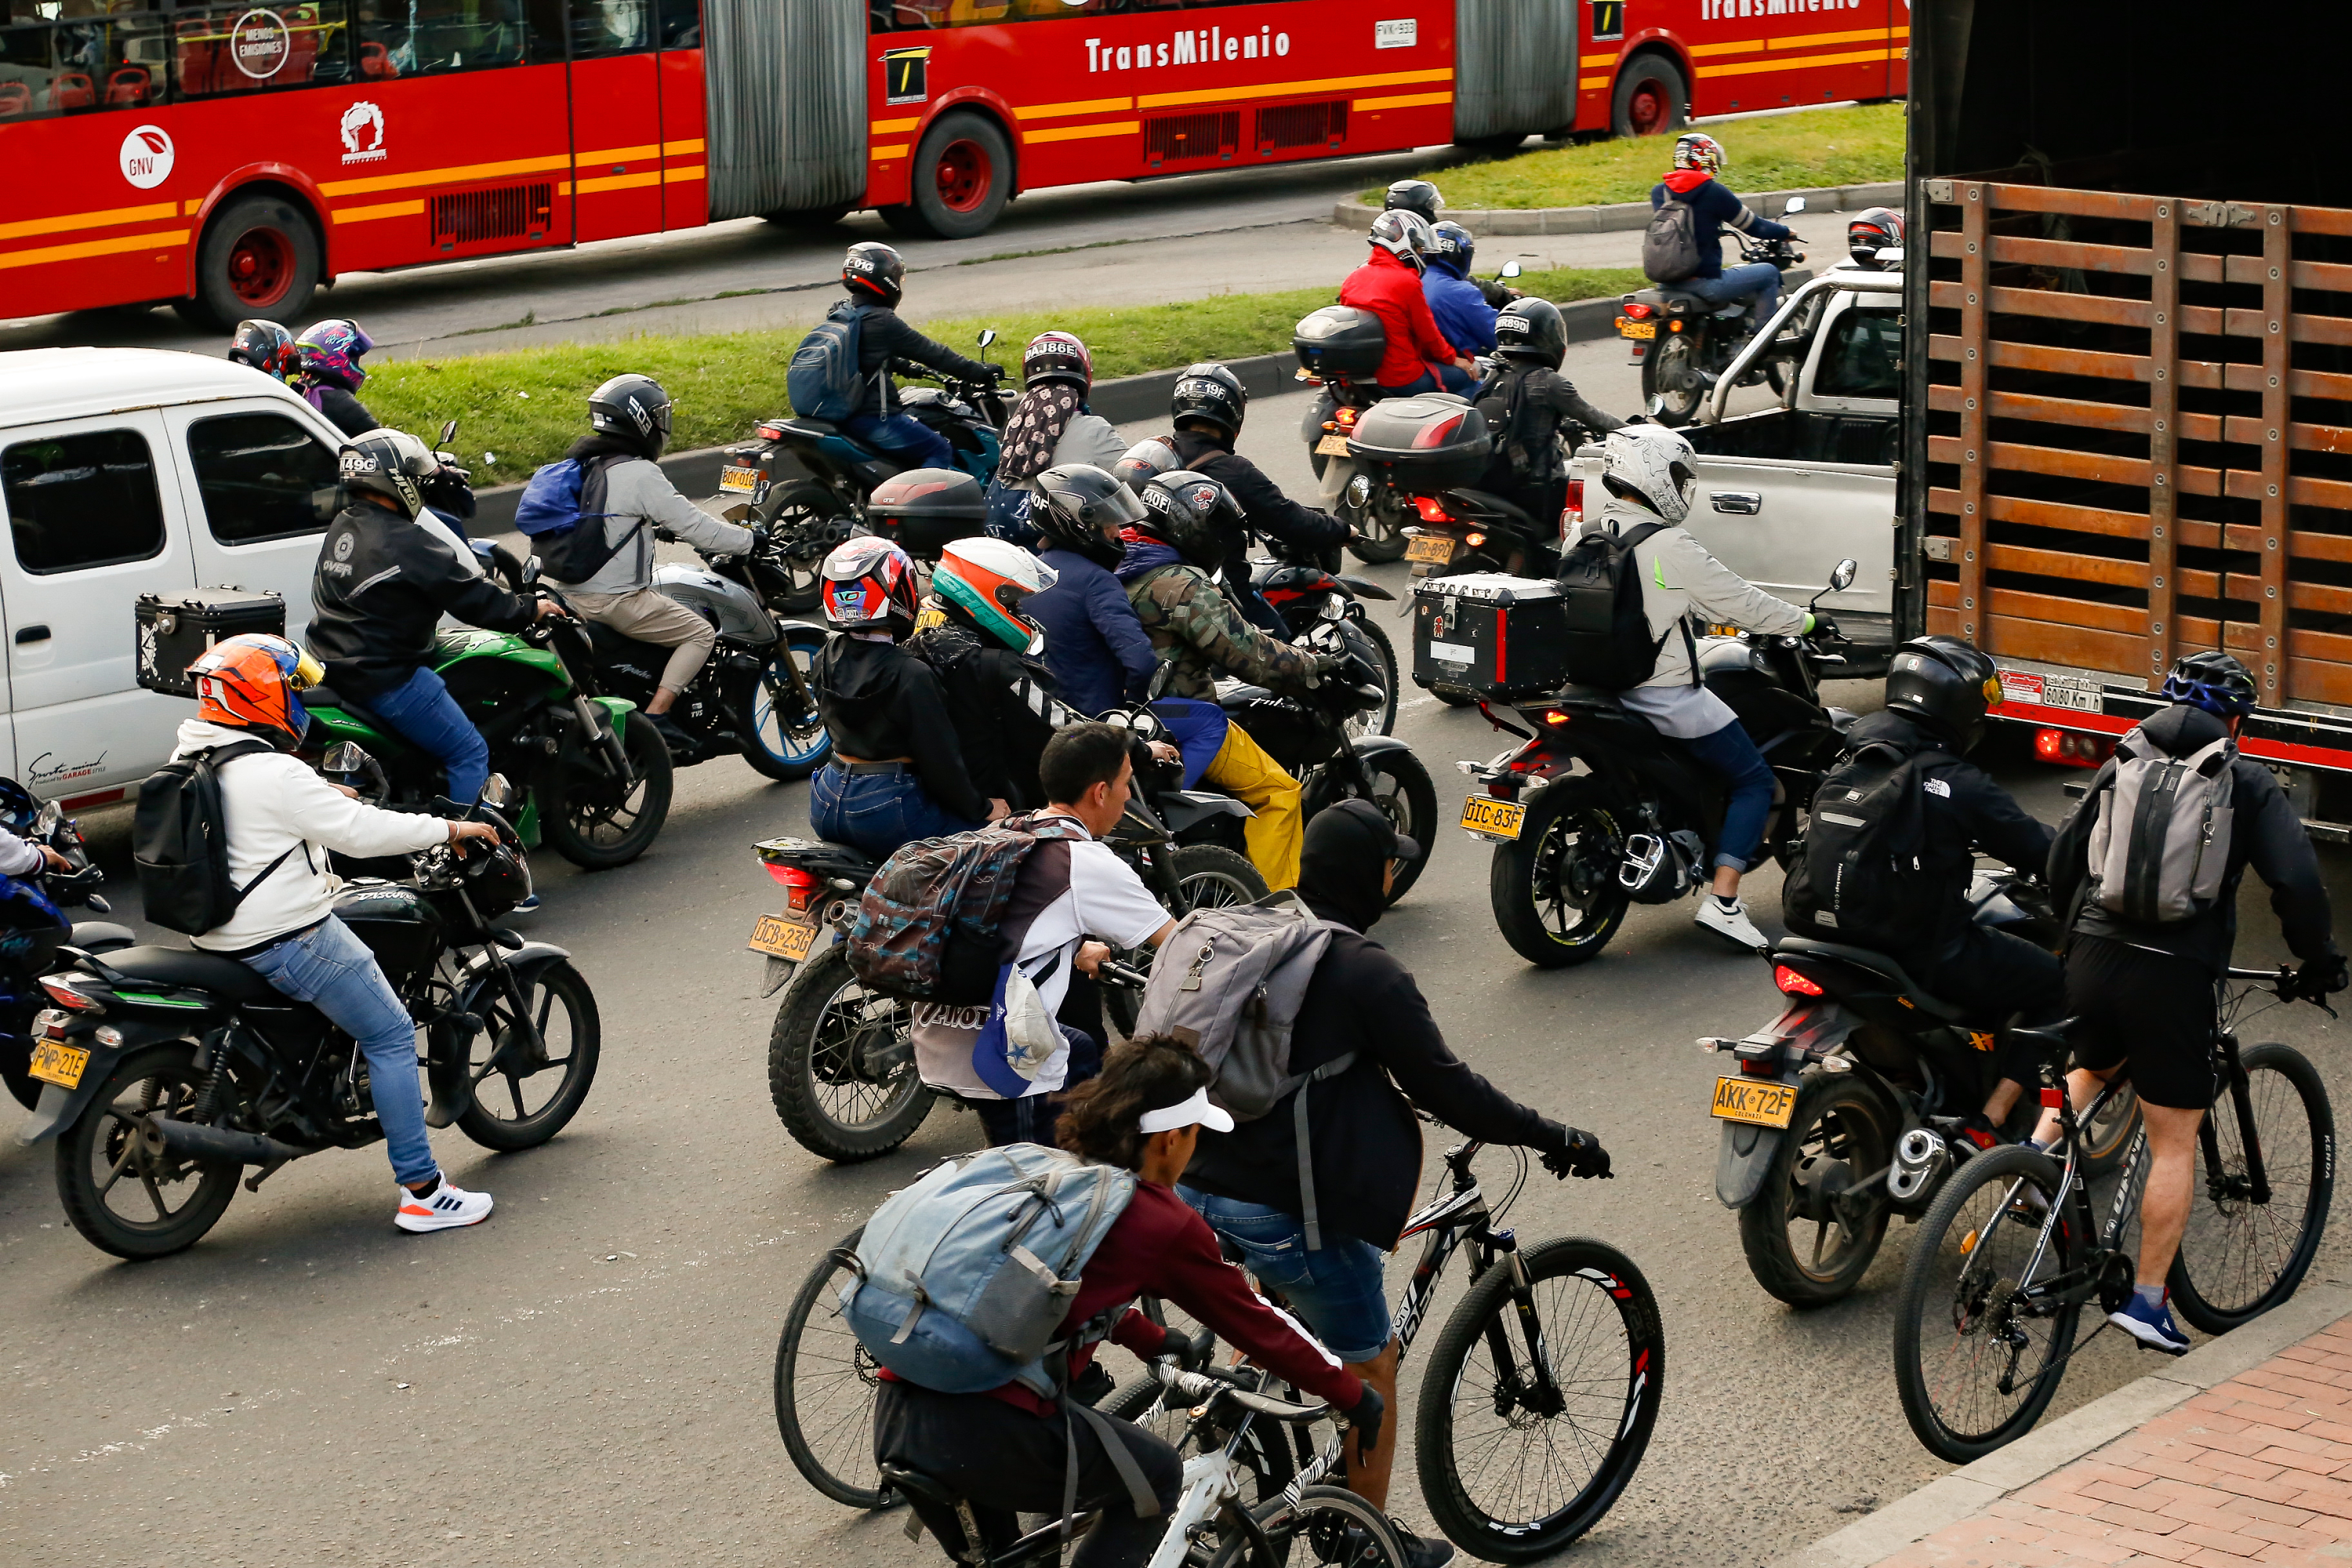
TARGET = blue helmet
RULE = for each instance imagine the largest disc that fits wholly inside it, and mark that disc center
(1454, 248)
(2214, 682)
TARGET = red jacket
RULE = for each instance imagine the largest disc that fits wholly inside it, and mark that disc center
(1392, 290)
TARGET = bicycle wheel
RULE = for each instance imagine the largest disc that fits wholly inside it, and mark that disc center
(2240, 1257)
(1511, 1470)
(1326, 1527)
(825, 1387)
(1977, 1355)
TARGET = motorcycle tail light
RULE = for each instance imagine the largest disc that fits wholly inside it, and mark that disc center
(1572, 515)
(1674, 326)
(1430, 509)
(66, 997)
(1639, 312)
(1346, 418)
(1475, 540)
(1556, 718)
(1794, 983)
(772, 432)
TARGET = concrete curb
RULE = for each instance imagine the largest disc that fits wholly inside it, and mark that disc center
(1614, 215)
(1972, 1487)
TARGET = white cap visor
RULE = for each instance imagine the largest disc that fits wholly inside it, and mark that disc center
(1196, 1112)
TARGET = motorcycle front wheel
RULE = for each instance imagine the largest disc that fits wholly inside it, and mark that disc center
(1672, 387)
(1366, 638)
(1554, 888)
(841, 1063)
(783, 737)
(591, 818)
(545, 1084)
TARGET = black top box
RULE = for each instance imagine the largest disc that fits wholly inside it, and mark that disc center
(923, 510)
(1422, 445)
(1339, 341)
(174, 630)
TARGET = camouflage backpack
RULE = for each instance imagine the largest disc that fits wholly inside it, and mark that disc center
(927, 928)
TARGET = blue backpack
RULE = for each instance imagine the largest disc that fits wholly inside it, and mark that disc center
(558, 503)
(822, 379)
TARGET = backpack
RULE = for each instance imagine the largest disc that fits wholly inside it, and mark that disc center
(2161, 843)
(1229, 983)
(1670, 252)
(1522, 428)
(1861, 876)
(558, 503)
(179, 842)
(822, 380)
(927, 924)
(1607, 627)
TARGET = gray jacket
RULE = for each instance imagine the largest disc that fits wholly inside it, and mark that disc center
(1680, 578)
(636, 490)
(1087, 439)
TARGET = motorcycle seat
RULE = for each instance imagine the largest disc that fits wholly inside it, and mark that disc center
(1240, 695)
(192, 967)
(608, 645)
(1877, 964)
(1483, 504)
(815, 430)
(100, 936)
(821, 856)
(325, 695)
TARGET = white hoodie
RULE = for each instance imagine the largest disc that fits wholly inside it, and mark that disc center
(273, 803)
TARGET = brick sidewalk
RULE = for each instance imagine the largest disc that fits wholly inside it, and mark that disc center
(2257, 1468)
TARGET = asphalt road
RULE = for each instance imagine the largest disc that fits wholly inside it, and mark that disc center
(585, 1378)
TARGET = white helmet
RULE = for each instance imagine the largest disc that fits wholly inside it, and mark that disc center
(1652, 467)
(988, 579)
(1405, 235)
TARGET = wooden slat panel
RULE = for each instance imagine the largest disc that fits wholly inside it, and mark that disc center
(2320, 220)
(2050, 304)
(2165, 326)
(2313, 438)
(2061, 253)
(1975, 322)
(2252, 484)
(2059, 199)
(2332, 646)
(2100, 468)
(2245, 588)
(2068, 411)
(2324, 597)
(2245, 636)
(1946, 596)
(2047, 515)
(2102, 569)
(1946, 621)
(2198, 373)
(2300, 383)
(2015, 638)
(2279, 269)
(2333, 329)
(2197, 535)
(2065, 611)
(2332, 275)
(2319, 546)
(2316, 683)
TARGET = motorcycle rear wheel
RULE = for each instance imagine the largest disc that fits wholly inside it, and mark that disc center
(571, 1044)
(589, 820)
(778, 743)
(1380, 527)
(819, 1064)
(790, 511)
(1554, 888)
(1671, 388)
(1837, 1126)
(101, 1163)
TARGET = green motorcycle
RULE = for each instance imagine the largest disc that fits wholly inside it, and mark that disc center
(595, 774)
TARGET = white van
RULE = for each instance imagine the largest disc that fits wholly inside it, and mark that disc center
(128, 472)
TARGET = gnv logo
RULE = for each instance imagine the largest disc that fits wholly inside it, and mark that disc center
(147, 156)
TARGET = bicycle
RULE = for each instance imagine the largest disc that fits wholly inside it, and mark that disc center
(1986, 1315)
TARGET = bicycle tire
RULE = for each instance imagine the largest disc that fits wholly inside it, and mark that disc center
(2214, 1232)
(1338, 1529)
(1925, 1287)
(844, 1469)
(1622, 1398)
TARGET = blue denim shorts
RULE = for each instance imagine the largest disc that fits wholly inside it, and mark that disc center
(1337, 1291)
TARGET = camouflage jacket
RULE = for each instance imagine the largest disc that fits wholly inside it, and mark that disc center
(1195, 630)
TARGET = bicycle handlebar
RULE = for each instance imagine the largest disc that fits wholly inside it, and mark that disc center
(1212, 1384)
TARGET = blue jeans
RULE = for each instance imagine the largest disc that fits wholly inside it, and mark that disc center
(1438, 378)
(876, 813)
(1337, 1291)
(902, 438)
(428, 718)
(1730, 752)
(333, 970)
(1761, 279)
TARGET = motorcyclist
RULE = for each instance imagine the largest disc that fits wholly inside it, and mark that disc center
(896, 773)
(1051, 427)
(1531, 408)
(1095, 644)
(1880, 228)
(1416, 196)
(1417, 356)
(1698, 158)
(630, 416)
(987, 654)
(1459, 305)
(1196, 632)
(876, 276)
(268, 348)
(330, 375)
(281, 820)
(384, 578)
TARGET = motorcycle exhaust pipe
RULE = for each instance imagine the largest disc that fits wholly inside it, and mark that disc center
(1921, 1158)
(161, 1135)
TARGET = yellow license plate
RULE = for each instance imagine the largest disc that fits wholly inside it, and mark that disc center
(1490, 818)
(784, 936)
(731, 478)
(1332, 446)
(1433, 547)
(55, 1062)
(1757, 1101)
(1626, 329)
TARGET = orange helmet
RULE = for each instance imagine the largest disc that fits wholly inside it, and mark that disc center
(248, 682)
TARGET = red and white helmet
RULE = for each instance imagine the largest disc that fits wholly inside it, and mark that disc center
(869, 587)
(1698, 150)
(1057, 356)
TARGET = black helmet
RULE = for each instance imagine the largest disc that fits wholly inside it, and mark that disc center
(2214, 682)
(497, 881)
(266, 347)
(1143, 462)
(634, 409)
(1081, 507)
(1211, 395)
(1191, 513)
(1873, 232)
(1454, 244)
(876, 269)
(388, 463)
(1530, 331)
(1945, 682)
(1414, 196)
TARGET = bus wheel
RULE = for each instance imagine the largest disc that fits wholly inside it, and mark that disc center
(259, 256)
(1651, 97)
(962, 179)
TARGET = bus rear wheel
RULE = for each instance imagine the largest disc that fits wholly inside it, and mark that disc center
(962, 179)
(1651, 98)
(259, 256)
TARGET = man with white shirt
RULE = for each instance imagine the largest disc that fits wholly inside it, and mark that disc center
(1074, 894)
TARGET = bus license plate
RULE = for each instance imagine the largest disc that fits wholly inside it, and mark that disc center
(784, 936)
(57, 1063)
(732, 477)
(1490, 818)
(1758, 1102)
(1332, 446)
(1436, 548)
(1626, 329)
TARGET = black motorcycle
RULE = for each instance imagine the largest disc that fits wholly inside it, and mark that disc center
(1684, 344)
(34, 934)
(176, 1067)
(1307, 590)
(1574, 850)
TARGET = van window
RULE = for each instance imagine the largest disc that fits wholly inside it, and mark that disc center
(1861, 357)
(79, 500)
(262, 477)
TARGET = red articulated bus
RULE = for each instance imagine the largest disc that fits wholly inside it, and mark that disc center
(230, 155)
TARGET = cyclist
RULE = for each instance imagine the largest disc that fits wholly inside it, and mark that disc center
(1419, 357)
(1360, 1122)
(1094, 643)
(876, 276)
(1050, 427)
(2145, 993)
(1698, 158)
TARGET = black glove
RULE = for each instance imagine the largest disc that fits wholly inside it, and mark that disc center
(1190, 1352)
(1364, 1421)
(995, 374)
(1580, 1154)
(1824, 628)
(2321, 978)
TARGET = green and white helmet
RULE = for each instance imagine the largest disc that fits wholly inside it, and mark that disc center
(987, 579)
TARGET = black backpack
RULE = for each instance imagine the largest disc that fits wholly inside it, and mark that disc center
(1861, 876)
(179, 842)
(1608, 631)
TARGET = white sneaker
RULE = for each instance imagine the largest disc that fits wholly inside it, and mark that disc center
(1729, 918)
(445, 1207)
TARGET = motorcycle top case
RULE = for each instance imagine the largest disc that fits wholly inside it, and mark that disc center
(174, 630)
(1422, 445)
(1489, 636)
(1339, 341)
(923, 510)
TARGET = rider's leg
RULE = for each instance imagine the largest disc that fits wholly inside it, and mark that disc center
(1454, 378)
(427, 717)
(2171, 1172)
(1368, 1477)
(1730, 752)
(1760, 278)
(1243, 770)
(652, 618)
(1997, 976)
(905, 438)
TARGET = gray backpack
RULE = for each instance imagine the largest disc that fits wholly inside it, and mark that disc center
(1670, 244)
(1229, 983)
(2161, 843)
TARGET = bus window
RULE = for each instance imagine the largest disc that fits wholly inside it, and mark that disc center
(432, 38)
(66, 68)
(611, 28)
(229, 49)
(681, 25)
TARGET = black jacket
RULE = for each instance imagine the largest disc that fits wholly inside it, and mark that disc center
(879, 701)
(1525, 412)
(1361, 1123)
(383, 584)
(2264, 832)
(1272, 515)
(883, 338)
(1002, 707)
(344, 412)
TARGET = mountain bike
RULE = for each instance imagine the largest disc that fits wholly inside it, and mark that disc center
(2011, 1251)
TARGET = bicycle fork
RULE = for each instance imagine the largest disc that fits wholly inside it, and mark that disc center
(1533, 1389)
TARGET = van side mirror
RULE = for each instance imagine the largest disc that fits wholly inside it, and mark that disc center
(1796, 204)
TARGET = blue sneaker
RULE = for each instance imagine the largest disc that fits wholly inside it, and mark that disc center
(2151, 1325)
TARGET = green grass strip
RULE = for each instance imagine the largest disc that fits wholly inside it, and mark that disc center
(524, 406)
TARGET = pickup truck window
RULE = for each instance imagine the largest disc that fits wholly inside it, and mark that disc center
(259, 475)
(82, 501)
(1860, 357)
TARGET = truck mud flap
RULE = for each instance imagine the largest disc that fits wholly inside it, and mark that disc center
(1740, 1162)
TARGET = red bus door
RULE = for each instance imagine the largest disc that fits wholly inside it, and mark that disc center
(616, 176)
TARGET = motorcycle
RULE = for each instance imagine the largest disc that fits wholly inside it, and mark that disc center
(34, 933)
(1305, 592)
(1596, 811)
(168, 1069)
(1683, 344)
(1842, 1111)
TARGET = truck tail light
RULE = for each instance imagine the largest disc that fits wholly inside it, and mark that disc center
(2069, 750)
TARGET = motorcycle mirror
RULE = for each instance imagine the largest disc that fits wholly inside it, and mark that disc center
(1796, 204)
(1360, 490)
(1842, 578)
(987, 336)
(45, 823)
(497, 792)
(530, 571)
(1511, 268)
(448, 432)
(346, 757)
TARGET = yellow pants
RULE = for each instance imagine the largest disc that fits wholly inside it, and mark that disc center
(1243, 770)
